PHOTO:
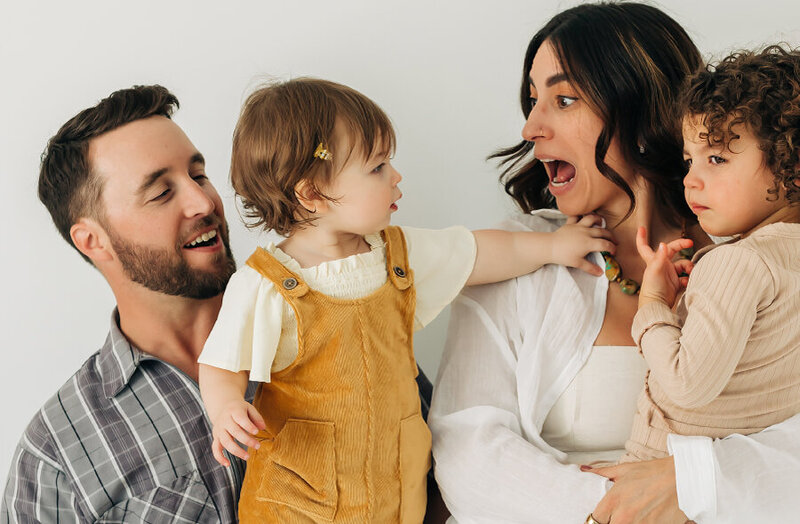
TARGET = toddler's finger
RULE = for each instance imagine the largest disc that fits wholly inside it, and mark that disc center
(233, 448)
(588, 267)
(256, 417)
(242, 419)
(572, 219)
(642, 245)
(241, 435)
(590, 220)
(216, 450)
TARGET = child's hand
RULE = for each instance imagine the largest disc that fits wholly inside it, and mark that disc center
(238, 420)
(662, 280)
(579, 237)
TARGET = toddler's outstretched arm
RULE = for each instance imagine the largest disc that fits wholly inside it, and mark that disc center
(233, 419)
(505, 254)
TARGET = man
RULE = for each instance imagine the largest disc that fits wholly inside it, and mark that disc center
(126, 439)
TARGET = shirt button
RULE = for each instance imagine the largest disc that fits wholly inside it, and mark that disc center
(289, 283)
(399, 272)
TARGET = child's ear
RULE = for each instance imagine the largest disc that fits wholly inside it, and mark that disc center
(309, 197)
(91, 239)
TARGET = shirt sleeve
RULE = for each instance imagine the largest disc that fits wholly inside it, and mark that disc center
(248, 328)
(753, 478)
(487, 468)
(442, 261)
(37, 491)
(694, 362)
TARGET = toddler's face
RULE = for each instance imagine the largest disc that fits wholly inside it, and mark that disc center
(726, 186)
(365, 193)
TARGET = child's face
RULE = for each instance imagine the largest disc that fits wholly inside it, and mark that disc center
(366, 193)
(726, 187)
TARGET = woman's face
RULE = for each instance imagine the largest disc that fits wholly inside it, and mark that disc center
(565, 129)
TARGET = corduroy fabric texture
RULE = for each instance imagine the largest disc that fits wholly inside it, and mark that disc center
(345, 440)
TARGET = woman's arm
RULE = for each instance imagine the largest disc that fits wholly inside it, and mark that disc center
(487, 470)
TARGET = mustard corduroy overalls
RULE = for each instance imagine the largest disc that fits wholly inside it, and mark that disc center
(345, 441)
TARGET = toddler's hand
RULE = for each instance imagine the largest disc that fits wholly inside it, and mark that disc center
(662, 280)
(579, 237)
(238, 420)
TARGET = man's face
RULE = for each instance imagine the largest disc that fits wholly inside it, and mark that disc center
(163, 217)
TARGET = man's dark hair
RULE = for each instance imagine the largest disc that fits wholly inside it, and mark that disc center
(67, 186)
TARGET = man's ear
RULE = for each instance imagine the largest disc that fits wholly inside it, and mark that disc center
(91, 239)
(310, 198)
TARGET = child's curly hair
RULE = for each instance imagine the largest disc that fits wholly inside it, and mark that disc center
(760, 90)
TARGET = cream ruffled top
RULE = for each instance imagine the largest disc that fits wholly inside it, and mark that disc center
(256, 329)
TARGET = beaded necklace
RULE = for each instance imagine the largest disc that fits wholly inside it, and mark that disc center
(628, 285)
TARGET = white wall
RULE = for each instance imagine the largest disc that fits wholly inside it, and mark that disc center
(447, 73)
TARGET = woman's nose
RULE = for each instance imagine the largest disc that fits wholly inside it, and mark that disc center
(534, 127)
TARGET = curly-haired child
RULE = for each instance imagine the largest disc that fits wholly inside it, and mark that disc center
(727, 359)
(325, 319)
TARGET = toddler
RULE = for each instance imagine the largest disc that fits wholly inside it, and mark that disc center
(324, 320)
(727, 360)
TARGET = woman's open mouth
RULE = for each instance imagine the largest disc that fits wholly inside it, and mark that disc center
(560, 172)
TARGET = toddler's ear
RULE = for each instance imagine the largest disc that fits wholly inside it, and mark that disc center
(310, 197)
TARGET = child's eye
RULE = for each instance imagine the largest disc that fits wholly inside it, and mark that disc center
(687, 163)
(716, 160)
(379, 167)
(565, 101)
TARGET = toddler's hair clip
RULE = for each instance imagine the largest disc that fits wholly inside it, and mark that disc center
(322, 153)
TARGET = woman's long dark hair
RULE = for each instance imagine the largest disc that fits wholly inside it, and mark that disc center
(629, 60)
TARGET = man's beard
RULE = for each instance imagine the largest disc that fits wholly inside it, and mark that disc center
(168, 272)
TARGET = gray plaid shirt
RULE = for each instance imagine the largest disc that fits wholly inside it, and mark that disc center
(126, 439)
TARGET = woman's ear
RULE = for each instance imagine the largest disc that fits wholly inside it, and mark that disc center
(91, 239)
(310, 198)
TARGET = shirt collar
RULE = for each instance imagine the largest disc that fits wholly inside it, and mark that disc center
(118, 359)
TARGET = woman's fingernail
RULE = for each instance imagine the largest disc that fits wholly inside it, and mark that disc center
(584, 467)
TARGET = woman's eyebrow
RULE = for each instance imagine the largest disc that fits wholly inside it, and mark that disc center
(553, 80)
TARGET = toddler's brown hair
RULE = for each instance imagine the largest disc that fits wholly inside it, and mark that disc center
(281, 126)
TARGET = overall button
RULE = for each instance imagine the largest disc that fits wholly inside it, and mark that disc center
(289, 283)
(399, 272)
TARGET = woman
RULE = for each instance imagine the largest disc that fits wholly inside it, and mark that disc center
(540, 374)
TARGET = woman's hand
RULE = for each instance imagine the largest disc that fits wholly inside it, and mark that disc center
(662, 280)
(643, 493)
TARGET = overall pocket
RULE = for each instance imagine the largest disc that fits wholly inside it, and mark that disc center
(415, 461)
(298, 468)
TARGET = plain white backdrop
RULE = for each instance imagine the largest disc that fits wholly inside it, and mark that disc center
(446, 72)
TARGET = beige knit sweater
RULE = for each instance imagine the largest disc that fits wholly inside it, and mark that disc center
(728, 359)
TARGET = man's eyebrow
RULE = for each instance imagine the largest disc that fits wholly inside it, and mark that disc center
(553, 80)
(151, 179)
(197, 158)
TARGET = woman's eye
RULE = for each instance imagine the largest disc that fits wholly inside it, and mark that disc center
(716, 160)
(565, 101)
(200, 178)
(533, 100)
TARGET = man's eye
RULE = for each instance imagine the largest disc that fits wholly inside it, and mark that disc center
(565, 101)
(201, 178)
(161, 196)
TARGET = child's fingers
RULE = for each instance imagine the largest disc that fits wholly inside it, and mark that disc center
(242, 420)
(592, 269)
(683, 266)
(256, 417)
(643, 246)
(590, 220)
(680, 243)
(216, 450)
(601, 244)
(599, 232)
(572, 220)
(232, 447)
(241, 435)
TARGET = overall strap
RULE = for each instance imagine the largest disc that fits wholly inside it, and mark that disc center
(397, 258)
(286, 282)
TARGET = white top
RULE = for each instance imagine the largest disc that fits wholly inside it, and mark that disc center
(513, 348)
(256, 329)
(592, 418)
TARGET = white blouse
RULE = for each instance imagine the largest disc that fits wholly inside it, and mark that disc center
(591, 420)
(513, 349)
(256, 329)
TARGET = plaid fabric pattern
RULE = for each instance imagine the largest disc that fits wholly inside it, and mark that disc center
(126, 439)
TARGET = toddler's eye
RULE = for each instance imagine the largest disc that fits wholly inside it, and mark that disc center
(565, 101)
(716, 160)
(379, 167)
(687, 163)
